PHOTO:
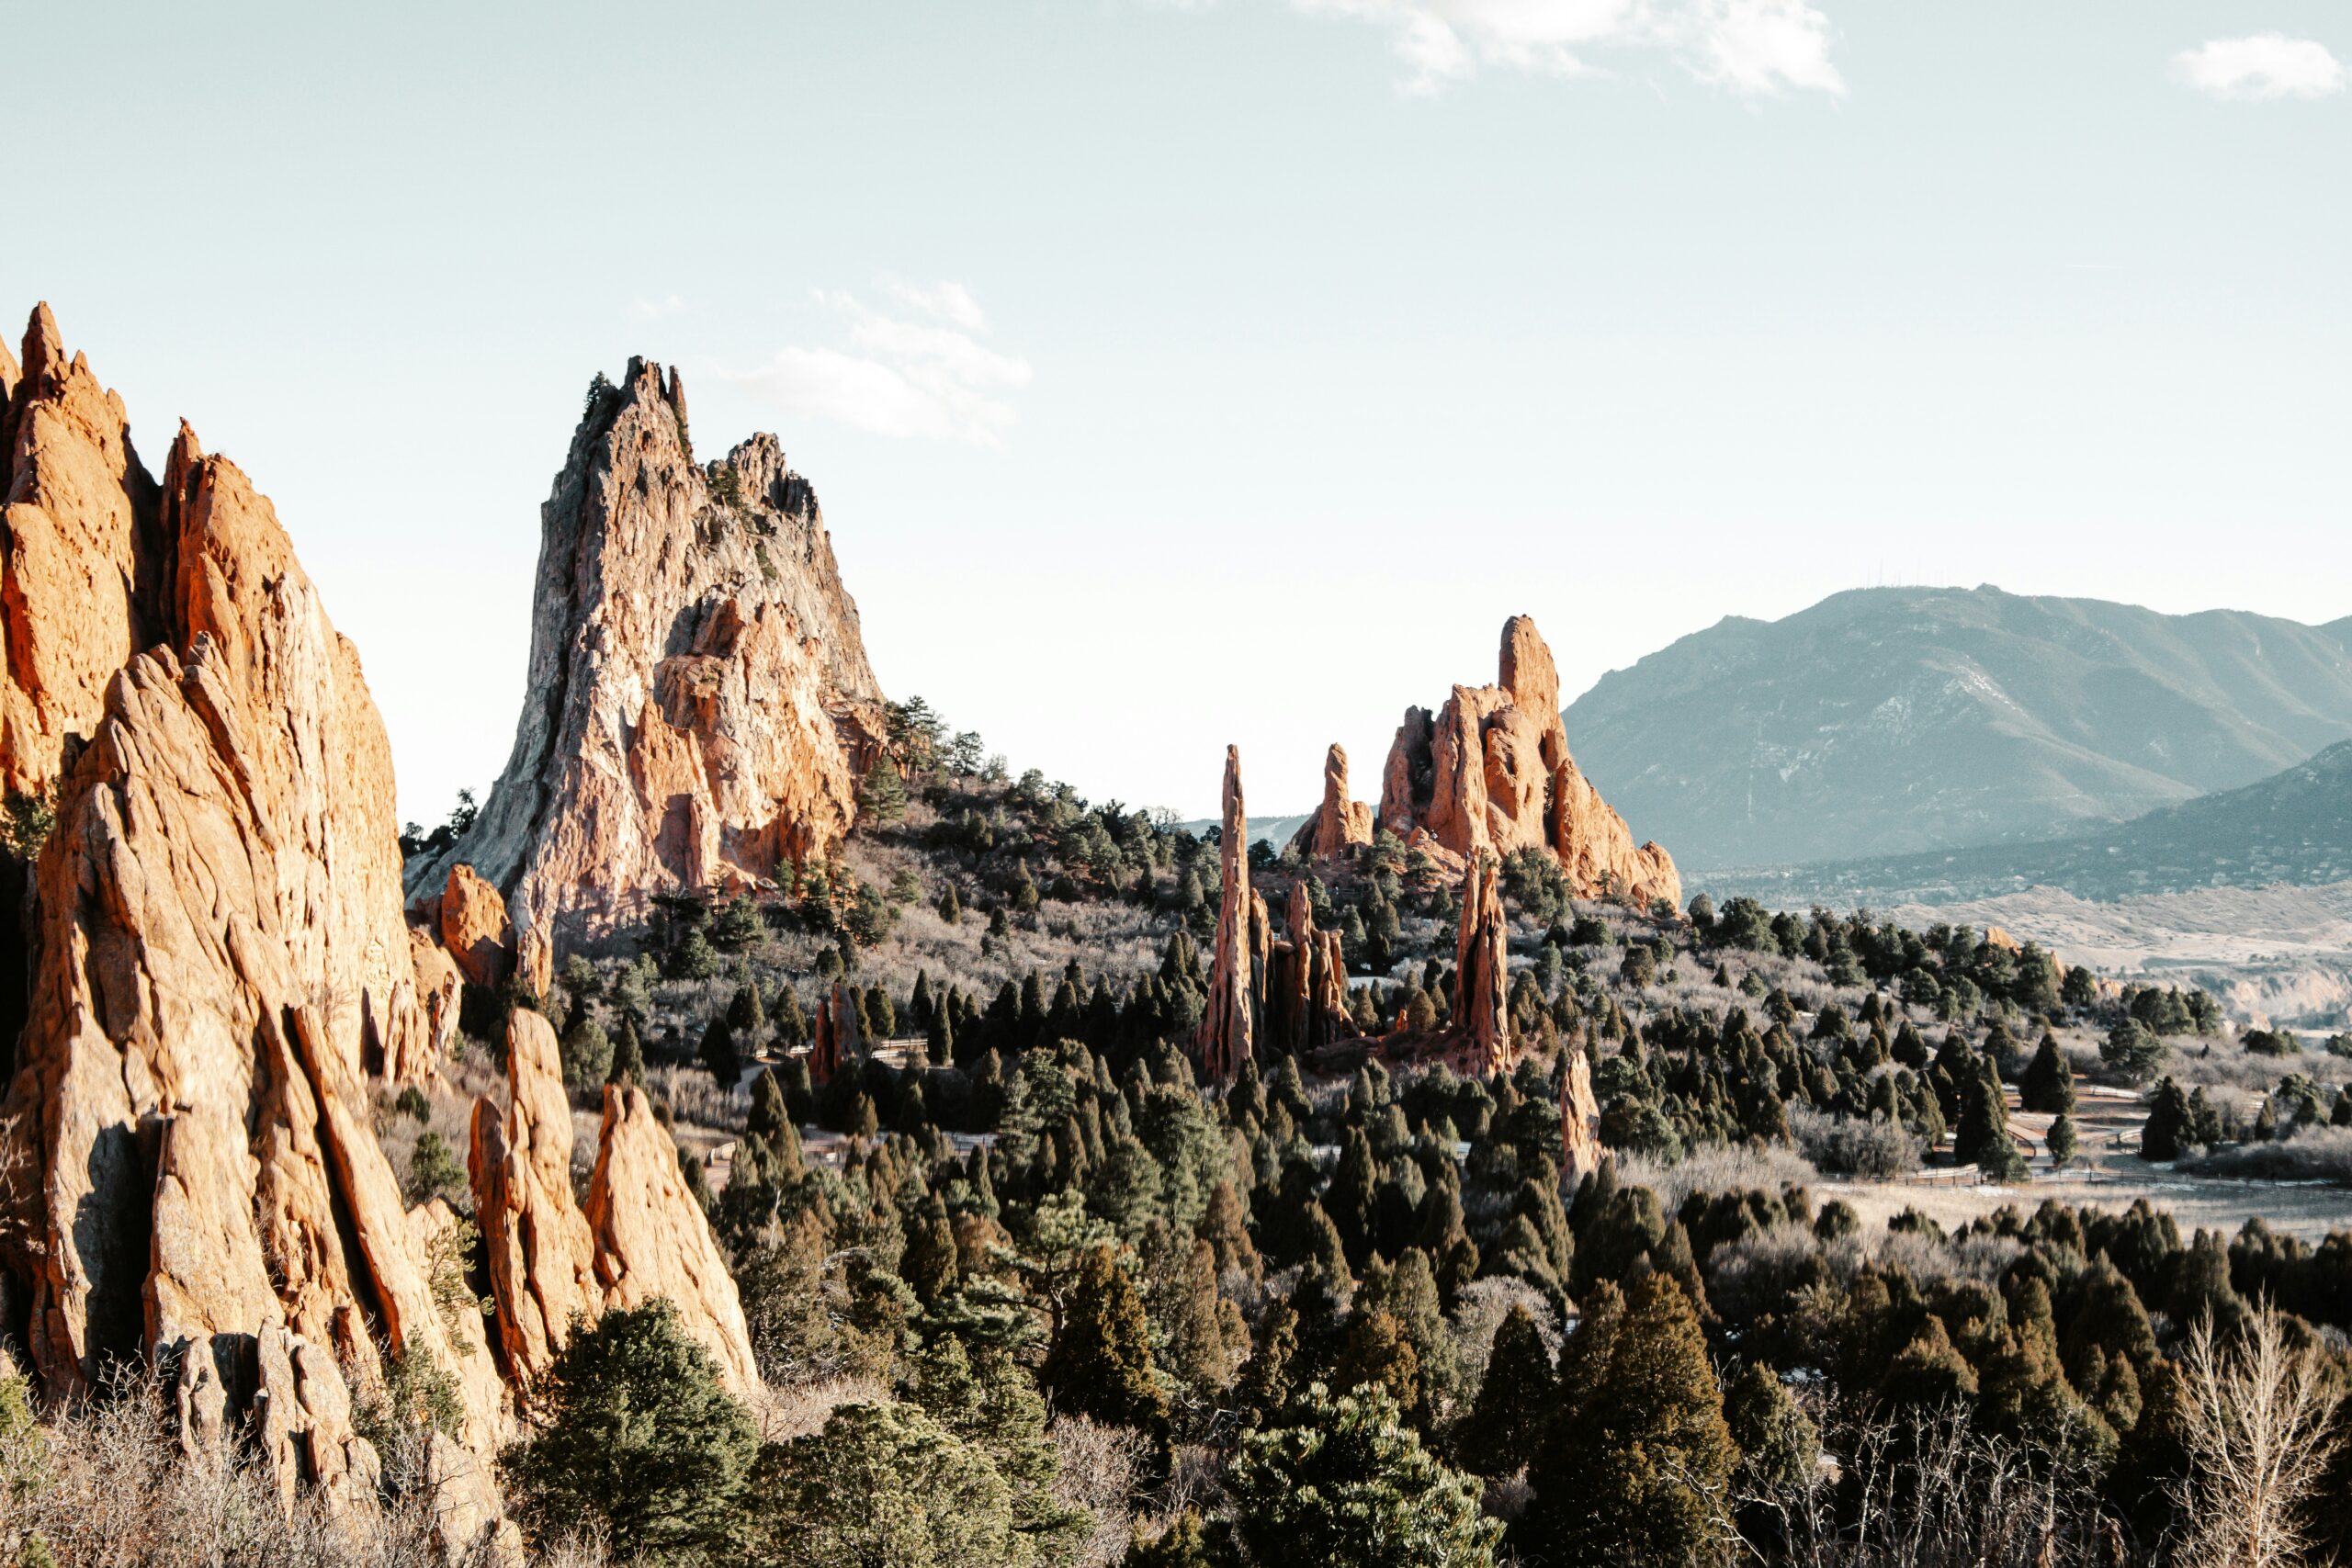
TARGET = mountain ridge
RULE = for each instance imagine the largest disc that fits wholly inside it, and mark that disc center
(1886, 722)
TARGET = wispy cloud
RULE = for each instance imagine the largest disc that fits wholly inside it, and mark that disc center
(1756, 48)
(2267, 66)
(654, 309)
(923, 374)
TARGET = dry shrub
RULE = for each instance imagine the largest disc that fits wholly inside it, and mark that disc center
(2313, 1154)
(1853, 1146)
(1099, 1467)
(1923, 1489)
(2259, 1425)
(785, 1411)
(105, 1485)
(1716, 1167)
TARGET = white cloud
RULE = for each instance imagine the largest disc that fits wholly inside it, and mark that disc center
(1752, 47)
(911, 378)
(2267, 65)
(654, 309)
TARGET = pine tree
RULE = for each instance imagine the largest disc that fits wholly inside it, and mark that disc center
(2062, 1140)
(951, 908)
(2049, 1082)
(769, 1115)
(720, 1054)
(1345, 1483)
(628, 1057)
(1634, 1468)
(791, 1024)
(1515, 1399)
(1983, 1138)
(2171, 1126)
(1101, 1362)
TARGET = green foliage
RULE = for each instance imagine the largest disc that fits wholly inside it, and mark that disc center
(884, 1485)
(433, 1171)
(1101, 1363)
(633, 1434)
(2047, 1084)
(2132, 1051)
(1346, 1483)
(586, 1052)
(1515, 1399)
(1637, 1463)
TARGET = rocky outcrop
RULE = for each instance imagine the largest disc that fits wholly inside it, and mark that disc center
(542, 1258)
(440, 992)
(1481, 973)
(469, 919)
(653, 1239)
(216, 957)
(639, 1233)
(1581, 1149)
(1490, 772)
(1307, 982)
(84, 569)
(99, 564)
(1339, 824)
(1229, 1023)
(699, 706)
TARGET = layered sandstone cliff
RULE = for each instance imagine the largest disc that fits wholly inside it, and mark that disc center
(1490, 772)
(217, 956)
(699, 706)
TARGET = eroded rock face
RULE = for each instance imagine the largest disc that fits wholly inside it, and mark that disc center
(699, 704)
(542, 1257)
(1581, 1149)
(1490, 772)
(1339, 824)
(470, 918)
(1306, 984)
(218, 959)
(1228, 1021)
(1481, 973)
(653, 1239)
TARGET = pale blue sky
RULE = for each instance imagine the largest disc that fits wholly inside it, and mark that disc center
(1293, 344)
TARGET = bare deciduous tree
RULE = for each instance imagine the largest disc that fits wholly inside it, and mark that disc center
(2259, 1425)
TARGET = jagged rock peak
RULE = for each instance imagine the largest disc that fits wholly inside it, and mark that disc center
(698, 706)
(1491, 772)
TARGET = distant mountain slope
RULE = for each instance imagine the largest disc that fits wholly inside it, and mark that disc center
(2294, 827)
(1892, 720)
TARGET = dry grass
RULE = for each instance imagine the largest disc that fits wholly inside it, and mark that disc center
(105, 1486)
(2313, 1154)
(1099, 1467)
(1717, 1167)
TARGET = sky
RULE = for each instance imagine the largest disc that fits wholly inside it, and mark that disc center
(1179, 374)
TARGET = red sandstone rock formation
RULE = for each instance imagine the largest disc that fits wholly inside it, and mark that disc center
(542, 1257)
(1339, 824)
(1481, 974)
(98, 564)
(471, 919)
(1581, 1149)
(833, 1043)
(218, 956)
(1306, 984)
(699, 706)
(1491, 772)
(639, 1233)
(1229, 1023)
(653, 1239)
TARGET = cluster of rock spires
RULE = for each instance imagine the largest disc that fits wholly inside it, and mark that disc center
(219, 966)
(699, 705)
(1490, 772)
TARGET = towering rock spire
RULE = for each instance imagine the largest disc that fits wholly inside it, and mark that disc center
(1228, 1024)
(1339, 824)
(1306, 985)
(1491, 770)
(1481, 971)
(1580, 1146)
(699, 706)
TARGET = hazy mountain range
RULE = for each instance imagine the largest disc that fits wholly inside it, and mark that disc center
(1891, 722)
